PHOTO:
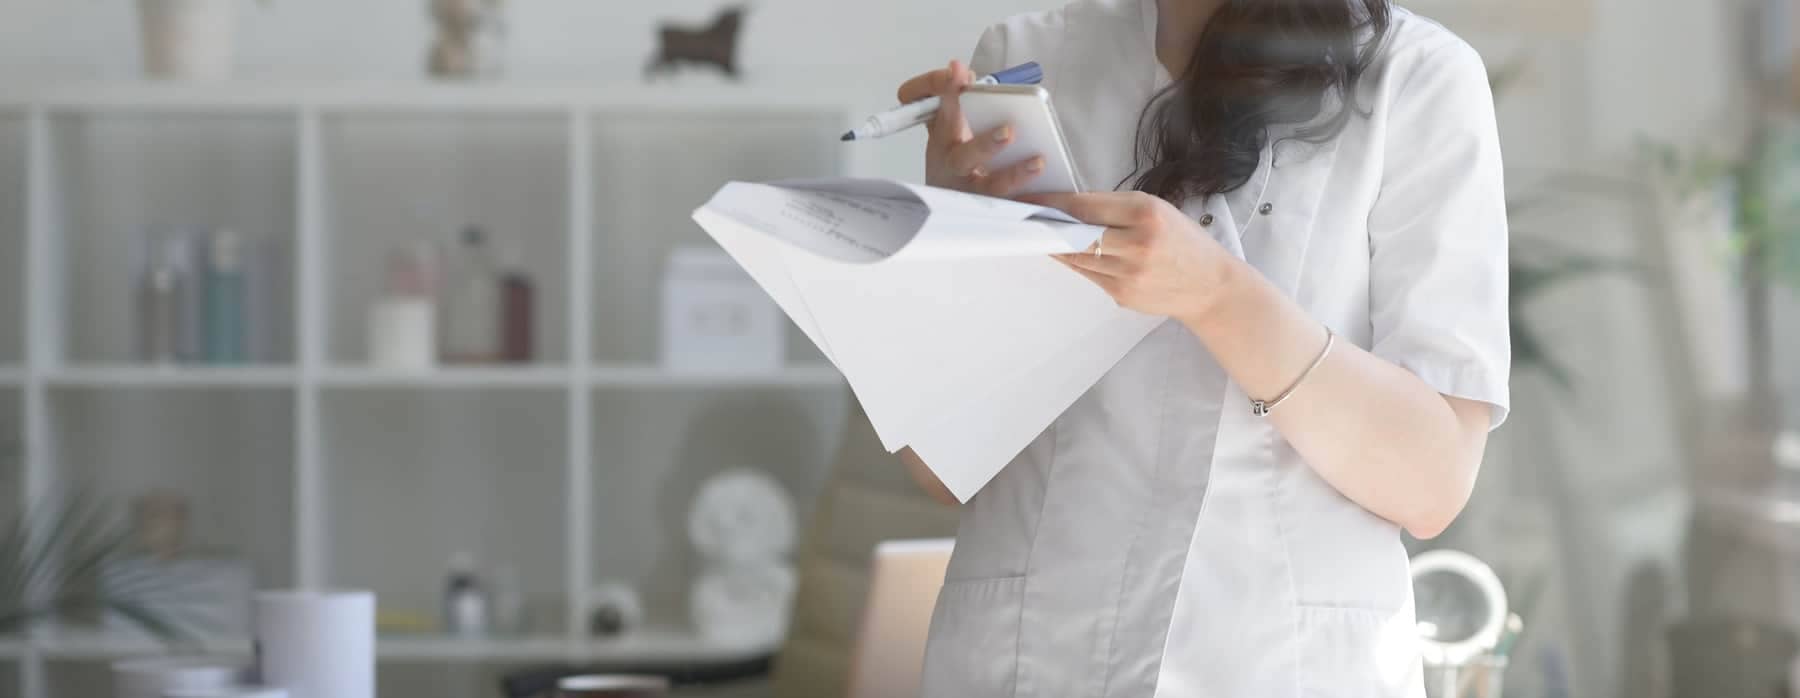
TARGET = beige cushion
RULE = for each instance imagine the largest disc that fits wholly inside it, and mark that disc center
(868, 499)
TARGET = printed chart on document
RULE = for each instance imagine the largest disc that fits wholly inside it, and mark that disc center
(958, 333)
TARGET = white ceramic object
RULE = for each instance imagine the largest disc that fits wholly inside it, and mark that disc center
(188, 39)
(742, 516)
(151, 678)
(317, 644)
(744, 605)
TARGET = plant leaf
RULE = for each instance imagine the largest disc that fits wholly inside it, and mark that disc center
(59, 558)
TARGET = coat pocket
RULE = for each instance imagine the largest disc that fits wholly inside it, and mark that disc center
(974, 646)
(1358, 653)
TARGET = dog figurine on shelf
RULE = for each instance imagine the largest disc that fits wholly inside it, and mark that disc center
(714, 46)
(468, 41)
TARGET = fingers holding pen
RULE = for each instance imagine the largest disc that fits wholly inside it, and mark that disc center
(948, 129)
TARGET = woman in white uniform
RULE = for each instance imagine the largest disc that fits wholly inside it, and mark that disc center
(1311, 192)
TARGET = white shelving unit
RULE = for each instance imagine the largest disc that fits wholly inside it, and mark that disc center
(656, 644)
(455, 377)
(136, 376)
(312, 465)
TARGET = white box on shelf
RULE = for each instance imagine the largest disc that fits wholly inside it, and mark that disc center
(715, 319)
(209, 595)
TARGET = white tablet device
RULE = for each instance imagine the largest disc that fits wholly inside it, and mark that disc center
(1035, 132)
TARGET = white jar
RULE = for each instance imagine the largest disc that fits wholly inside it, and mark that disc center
(403, 333)
(188, 39)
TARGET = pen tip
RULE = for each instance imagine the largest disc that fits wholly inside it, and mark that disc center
(848, 136)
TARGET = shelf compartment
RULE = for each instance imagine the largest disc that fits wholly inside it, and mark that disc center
(654, 449)
(442, 473)
(100, 376)
(391, 181)
(454, 377)
(644, 193)
(126, 186)
(227, 453)
(13, 158)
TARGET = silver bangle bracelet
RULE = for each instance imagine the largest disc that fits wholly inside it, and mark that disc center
(1262, 408)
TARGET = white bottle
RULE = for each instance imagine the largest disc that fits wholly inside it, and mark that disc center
(465, 602)
(403, 322)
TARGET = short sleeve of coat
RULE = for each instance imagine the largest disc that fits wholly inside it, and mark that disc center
(990, 51)
(1438, 231)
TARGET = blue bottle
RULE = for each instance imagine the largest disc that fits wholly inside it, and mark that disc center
(224, 333)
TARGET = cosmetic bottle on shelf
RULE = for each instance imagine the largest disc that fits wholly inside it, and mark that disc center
(162, 303)
(470, 306)
(224, 298)
(403, 321)
(518, 308)
(465, 602)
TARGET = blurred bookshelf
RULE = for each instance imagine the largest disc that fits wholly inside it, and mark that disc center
(320, 470)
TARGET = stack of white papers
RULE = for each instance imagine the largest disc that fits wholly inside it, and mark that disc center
(958, 333)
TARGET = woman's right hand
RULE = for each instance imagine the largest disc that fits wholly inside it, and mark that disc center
(955, 158)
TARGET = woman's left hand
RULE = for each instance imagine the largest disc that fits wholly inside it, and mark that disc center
(1152, 257)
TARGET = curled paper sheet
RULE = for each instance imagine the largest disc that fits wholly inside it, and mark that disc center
(959, 334)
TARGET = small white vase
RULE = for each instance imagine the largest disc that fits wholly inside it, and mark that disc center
(188, 39)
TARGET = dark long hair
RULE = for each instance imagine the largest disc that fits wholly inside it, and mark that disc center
(1258, 63)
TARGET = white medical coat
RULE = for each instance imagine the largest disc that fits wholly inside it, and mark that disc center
(1158, 539)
